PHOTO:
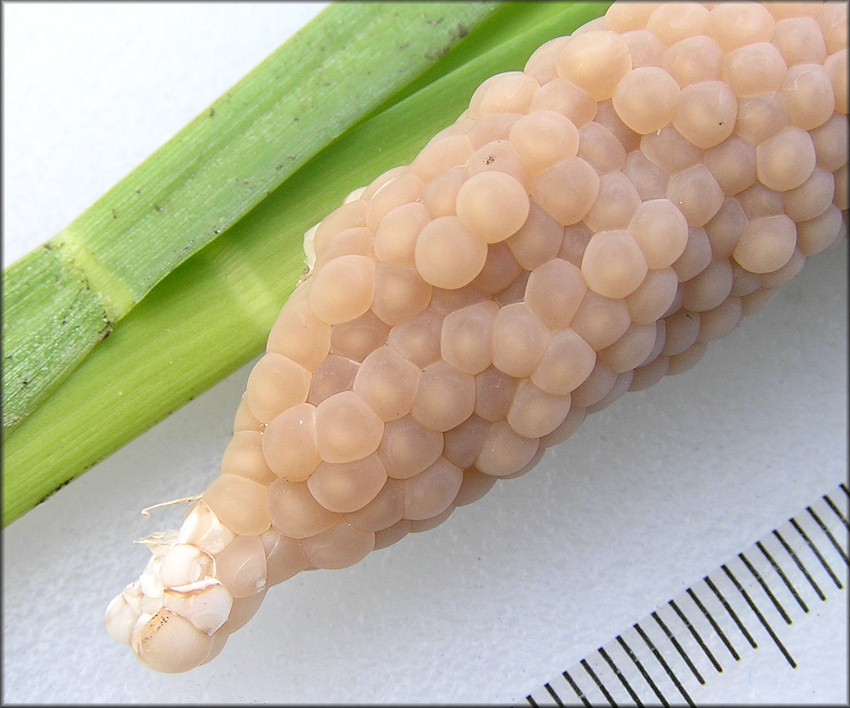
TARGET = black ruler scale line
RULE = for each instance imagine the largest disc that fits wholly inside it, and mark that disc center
(748, 604)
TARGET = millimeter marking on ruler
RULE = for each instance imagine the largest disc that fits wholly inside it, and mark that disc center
(749, 588)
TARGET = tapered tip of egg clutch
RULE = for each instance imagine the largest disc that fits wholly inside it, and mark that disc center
(588, 226)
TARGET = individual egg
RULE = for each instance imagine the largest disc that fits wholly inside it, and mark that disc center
(406, 188)
(566, 363)
(725, 228)
(447, 254)
(595, 387)
(696, 256)
(295, 513)
(387, 382)
(812, 198)
(600, 320)
(518, 341)
(289, 443)
(339, 547)
(445, 397)
(386, 509)
(347, 486)
(708, 289)
(737, 24)
(356, 338)
(535, 412)
(613, 264)
(649, 181)
(672, 22)
(243, 456)
(274, 384)
(660, 231)
(537, 240)
(786, 160)
(542, 138)
(732, 163)
(760, 117)
(494, 391)
(440, 154)
(439, 197)
(508, 92)
(595, 61)
(807, 95)
(400, 293)
(343, 288)
(504, 451)
(600, 148)
(682, 330)
(646, 98)
(347, 429)
(818, 234)
(754, 69)
(645, 48)
(463, 443)
(706, 113)
(567, 99)
(566, 190)
(694, 60)
(408, 447)
(335, 374)
(431, 491)
(800, 41)
(239, 502)
(465, 340)
(554, 292)
(298, 334)
(696, 193)
(631, 349)
(418, 339)
(653, 296)
(241, 566)
(500, 270)
(395, 237)
(719, 321)
(766, 244)
(615, 203)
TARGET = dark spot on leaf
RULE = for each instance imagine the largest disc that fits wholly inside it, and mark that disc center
(212, 112)
(53, 491)
(490, 159)
(462, 30)
(158, 208)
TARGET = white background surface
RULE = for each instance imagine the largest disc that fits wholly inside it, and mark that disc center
(647, 497)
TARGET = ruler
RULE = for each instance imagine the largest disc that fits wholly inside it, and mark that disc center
(775, 612)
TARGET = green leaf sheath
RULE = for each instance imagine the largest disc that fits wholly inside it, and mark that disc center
(62, 299)
(173, 346)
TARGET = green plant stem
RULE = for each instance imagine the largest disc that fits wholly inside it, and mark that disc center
(63, 298)
(173, 345)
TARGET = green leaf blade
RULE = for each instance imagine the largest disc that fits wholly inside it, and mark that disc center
(215, 170)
